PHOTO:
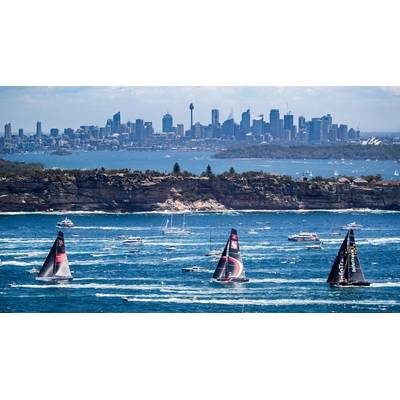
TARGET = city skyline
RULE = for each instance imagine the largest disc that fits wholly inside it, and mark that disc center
(369, 108)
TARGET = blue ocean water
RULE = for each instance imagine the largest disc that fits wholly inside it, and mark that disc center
(284, 276)
(196, 162)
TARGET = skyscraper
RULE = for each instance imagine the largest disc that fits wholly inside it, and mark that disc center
(274, 122)
(302, 123)
(148, 129)
(214, 118)
(288, 122)
(116, 123)
(326, 126)
(38, 129)
(20, 133)
(139, 130)
(245, 122)
(315, 130)
(167, 123)
(342, 132)
(7, 131)
(180, 130)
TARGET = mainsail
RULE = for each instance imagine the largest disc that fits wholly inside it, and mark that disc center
(56, 264)
(354, 268)
(230, 265)
(346, 269)
(337, 273)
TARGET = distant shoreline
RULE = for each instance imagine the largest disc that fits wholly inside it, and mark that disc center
(313, 152)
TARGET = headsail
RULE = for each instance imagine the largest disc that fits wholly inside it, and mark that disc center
(220, 270)
(56, 263)
(337, 273)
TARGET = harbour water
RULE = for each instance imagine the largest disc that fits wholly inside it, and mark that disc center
(284, 276)
(196, 162)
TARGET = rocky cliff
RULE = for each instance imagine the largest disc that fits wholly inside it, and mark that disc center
(125, 191)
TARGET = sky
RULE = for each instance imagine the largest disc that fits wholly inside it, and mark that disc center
(369, 108)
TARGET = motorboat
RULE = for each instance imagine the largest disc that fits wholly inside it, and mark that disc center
(133, 240)
(314, 247)
(65, 223)
(352, 225)
(304, 237)
(192, 269)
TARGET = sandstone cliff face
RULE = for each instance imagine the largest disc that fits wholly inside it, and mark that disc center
(128, 192)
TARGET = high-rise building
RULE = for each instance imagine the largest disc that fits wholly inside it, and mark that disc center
(288, 121)
(139, 130)
(180, 130)
(214, 118)
(245, 122)
(148, 129)
(167, 123)
(342, 133)
(54, 132)
(38, 129)
(326, 126)
(228, 128)
(274, 122)
(116, 123)
(20, 133)
(315, 130)
(7, 131)
(258, 127)
(302, 123)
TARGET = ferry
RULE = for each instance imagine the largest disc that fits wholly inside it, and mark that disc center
(304, 237)
(65, 223)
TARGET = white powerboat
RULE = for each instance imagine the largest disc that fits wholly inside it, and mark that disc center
(304, 237)
(65, 223)
(352, 225)
(192, 269)
(133, 240)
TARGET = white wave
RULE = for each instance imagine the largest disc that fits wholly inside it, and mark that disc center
(385, 284)
(380, 241)
(262, 302)
(284, 280)
(67, 285)
(19, 263)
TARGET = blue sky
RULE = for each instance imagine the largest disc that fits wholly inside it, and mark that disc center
(371, 108)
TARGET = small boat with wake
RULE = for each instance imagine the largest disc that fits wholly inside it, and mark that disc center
(230, 266)
(133, 240)
(352, 225)
(65, 223)
(314, 247)
(192, 269)
(346, 269)
(56, 267)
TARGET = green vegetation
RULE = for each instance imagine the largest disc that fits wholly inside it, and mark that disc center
(11, 168)
(177, 169)
(346, 151)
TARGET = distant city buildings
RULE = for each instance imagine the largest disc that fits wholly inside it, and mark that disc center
(116, 134)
